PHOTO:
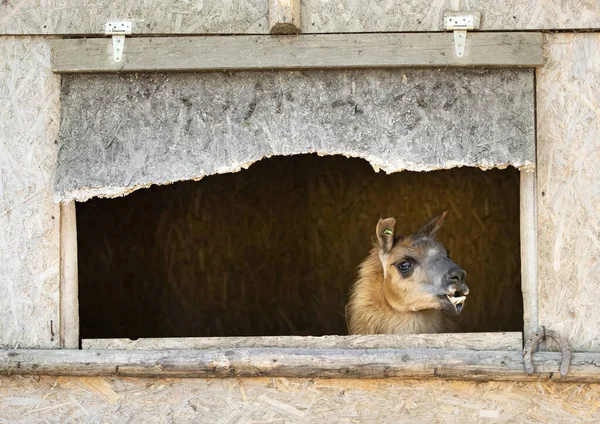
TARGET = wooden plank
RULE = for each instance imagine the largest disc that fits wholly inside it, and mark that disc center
(250, 17)
(476, 341)
(69, 305)
(568, 193)
(284, 16)
(29, 219)
(297, 52)
(529, 282)
(281, 362)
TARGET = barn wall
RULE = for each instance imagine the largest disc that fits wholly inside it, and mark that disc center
(116, 400)
(250, 17)
(568, 95)
(568, 99)
(29, 220)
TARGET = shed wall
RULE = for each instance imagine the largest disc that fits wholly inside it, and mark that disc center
(317, 16)
(568, 120)
(29, 220)
(117, 400)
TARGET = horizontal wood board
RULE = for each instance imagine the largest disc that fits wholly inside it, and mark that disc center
(297, 52)
(476, 341)
(281, 362)
(124, 132)
(317, 16)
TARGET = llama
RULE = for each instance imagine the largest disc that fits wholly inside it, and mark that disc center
(407, 284)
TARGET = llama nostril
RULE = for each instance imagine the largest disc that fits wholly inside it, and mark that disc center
(457, 276)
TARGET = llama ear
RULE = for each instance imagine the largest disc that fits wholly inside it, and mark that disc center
(431, 228)
(385, 234)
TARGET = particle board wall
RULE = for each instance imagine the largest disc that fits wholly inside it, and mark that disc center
(120, 133)
(568, 99)
(317, 16)
(29, 220)
(424, 15)
(149, 17)
(117, 400)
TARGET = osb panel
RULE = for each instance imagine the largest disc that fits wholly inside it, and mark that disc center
(426, 15)
(273, 250)
(29, 220)
(568, 99)
(119, 400)
(148, 17)
(244, 17)
(124, 132)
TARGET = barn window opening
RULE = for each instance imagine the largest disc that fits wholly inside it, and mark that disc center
(274, 249)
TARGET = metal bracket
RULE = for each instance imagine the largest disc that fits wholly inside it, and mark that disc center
(460, 23)
(118, 30)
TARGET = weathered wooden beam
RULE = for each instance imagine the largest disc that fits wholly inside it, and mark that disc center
(69, 301)
(296, 52)
(284, 16)
(529, 254)
(275, 362)
(474, 341)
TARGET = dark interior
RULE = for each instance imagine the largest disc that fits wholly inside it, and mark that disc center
(274, 249)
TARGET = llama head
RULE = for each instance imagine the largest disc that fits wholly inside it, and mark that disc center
(417, 270)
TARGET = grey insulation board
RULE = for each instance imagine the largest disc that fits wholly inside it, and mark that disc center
(121, 132)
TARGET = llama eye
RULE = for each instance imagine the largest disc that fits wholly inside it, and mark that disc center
(404, 266)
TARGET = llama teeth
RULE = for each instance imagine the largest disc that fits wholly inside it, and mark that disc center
(456, 300)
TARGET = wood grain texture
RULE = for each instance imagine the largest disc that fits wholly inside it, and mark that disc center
(475, 341)
(568, 96)
(69, 287)
(296, 52)
(293, 362)
(529, 253)
(285, 400)
(29, 220)
(157, 129)
(284, 16)
(318, 16)
(148, 17)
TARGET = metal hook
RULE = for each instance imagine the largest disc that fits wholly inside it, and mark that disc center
(541, 335)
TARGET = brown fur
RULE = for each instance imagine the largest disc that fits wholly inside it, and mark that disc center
(391, 303)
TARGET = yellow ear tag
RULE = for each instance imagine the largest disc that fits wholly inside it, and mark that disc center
(388, 232)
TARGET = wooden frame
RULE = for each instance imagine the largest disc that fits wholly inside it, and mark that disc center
(479, 356)
(309, 362)
(69, 289)
(297, 52)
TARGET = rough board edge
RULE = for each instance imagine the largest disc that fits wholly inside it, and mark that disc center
(69, 289)
(529, 254)
(322, 363)
(506, 341)
(331, 51)
(84, 194)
